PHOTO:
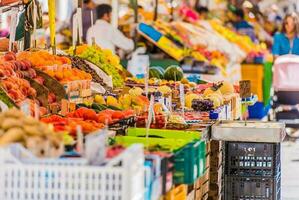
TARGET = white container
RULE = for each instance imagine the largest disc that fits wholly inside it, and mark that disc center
(122, 178)
(253, 131)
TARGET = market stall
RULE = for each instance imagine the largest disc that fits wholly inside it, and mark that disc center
(76, 124)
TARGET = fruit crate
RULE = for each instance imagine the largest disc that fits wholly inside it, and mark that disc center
(243, 188)
(189, 162)
(121, 178)
(252, 159)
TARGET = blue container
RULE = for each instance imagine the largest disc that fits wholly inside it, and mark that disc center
(150, 32)
(258, 110)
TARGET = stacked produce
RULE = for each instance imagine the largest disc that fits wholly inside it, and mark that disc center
(15, 127)
(104, 59)
(81, 64)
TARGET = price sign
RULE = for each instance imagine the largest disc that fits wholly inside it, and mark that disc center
(245, 88)
(95, 146)
(25, 107)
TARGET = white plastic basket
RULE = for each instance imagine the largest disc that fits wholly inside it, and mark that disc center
(122, 178)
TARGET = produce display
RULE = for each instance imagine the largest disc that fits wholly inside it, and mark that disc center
(104, 59)
(38, 137)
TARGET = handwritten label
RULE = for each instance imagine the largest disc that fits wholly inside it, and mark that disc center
(25, 107)
(95, 146)
(245, 88)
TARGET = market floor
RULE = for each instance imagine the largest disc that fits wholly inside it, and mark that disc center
(290, 171)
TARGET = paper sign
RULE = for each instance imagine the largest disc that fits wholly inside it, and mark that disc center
(245, 88)
(25, 107)
(95, 147)
(182, 97)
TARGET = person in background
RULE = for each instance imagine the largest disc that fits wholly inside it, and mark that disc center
(242, 26)
(105, 35)
(202, 12)
(88, 7)
(287, 41)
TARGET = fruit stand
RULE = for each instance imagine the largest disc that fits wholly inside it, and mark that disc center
(76, 124)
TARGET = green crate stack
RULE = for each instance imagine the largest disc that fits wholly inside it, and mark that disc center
(189, 163)
(189, 151)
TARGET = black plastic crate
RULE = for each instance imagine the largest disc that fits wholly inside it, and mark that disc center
(249, 188)
(251, 159)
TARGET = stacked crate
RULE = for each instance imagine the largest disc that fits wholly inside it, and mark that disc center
(252, 171)
(214, 169)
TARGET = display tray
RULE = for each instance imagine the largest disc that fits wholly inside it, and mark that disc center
(252, 131)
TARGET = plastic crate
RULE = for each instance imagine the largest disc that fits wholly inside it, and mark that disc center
(252, 159)
(189, 163)
(121, 178)
(164, 144)
(177, 193)
(254, 73)
(259, 188)
(258, 110)
(161, 133)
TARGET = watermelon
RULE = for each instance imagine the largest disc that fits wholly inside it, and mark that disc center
(174, 73)
(156, 73)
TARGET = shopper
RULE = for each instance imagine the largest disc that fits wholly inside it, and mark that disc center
(287, 41)
(242, 26)
(105, 35)
(88, 7)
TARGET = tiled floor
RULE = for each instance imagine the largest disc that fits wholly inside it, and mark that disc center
(290, 171)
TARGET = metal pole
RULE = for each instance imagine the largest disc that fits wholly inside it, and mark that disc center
(156, 10)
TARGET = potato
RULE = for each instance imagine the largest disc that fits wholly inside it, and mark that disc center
(32, 130)
(14, 113)
(30, 121)
(11, 123)
(11, 136)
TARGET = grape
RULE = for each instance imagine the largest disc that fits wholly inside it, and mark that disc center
(202, 105)
(96, 56)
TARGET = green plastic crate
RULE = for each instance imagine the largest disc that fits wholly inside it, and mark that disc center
(163, 133)
(189, 162)
(166, 144)
(267, 82)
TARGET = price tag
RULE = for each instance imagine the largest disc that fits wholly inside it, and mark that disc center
(95, 147)
(182, 97)
(25, 107)
(245, 89)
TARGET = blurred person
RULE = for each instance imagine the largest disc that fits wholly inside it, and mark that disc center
(203, 12)
(242, 26)
(88, 7)
(287, 41)
(105, 35)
